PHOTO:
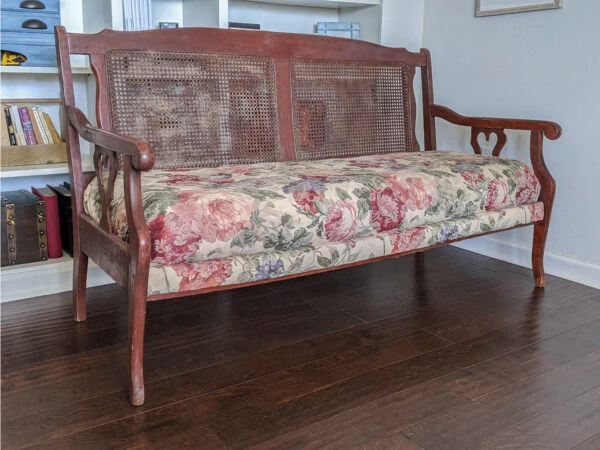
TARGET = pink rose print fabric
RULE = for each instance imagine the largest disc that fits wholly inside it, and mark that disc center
(235, 224)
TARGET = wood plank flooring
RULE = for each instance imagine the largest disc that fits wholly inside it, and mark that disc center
(445, 350)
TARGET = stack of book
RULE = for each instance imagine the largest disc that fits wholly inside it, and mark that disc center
(37, 225)
(27, 125)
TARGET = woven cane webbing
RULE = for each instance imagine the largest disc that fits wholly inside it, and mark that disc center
(196, 110)
(344, 108)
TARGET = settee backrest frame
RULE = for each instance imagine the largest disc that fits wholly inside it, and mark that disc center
(282, 48)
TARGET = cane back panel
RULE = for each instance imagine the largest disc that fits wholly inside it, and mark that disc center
(195, 109)
(345, 108)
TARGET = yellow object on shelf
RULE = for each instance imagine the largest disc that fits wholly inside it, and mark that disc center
(12, 58)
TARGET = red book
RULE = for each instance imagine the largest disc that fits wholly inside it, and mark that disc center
(52, 220)
(27, 126)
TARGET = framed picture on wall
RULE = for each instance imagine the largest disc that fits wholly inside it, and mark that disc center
(493, 7)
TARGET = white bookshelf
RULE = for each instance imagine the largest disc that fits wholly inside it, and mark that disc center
(39, 170)
(28, 280)
(28, 70)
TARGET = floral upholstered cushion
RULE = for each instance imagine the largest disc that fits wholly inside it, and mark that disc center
(243, 268)
(203, 214)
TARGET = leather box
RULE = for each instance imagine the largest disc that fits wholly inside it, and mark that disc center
(23, 228)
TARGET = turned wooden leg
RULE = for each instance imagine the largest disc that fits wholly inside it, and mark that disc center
(137, 319)
(548, 189)
(540, 232)
(80, 266)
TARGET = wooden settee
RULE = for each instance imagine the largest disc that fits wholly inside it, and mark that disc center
(227, 158)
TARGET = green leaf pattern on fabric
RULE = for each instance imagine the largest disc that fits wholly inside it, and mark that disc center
(236, 224)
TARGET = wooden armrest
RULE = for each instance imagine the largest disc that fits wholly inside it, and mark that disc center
(551, 130)
(142, 155)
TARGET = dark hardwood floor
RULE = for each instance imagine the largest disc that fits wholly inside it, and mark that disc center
(446, 350)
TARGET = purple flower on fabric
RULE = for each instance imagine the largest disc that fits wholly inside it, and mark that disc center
(269, 269)
(305, 186)
(448, 233)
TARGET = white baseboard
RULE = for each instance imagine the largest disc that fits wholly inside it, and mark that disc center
(54, 276)
(554, 264)
(50, 277)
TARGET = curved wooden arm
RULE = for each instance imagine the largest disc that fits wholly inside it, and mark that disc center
(142, 155)
(551, 130)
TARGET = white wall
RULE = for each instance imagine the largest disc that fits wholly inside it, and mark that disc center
(542, 65)
(369, 18)
(204, 13)
(402, 23)
(167, 11)
(285, 18)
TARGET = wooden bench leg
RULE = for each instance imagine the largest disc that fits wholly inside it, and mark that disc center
(540, 232)
(137, 322)
(80, 267)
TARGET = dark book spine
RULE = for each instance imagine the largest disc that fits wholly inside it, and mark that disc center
(11, 128)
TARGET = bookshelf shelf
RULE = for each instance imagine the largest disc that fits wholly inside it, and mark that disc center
(64, 261)
(22, 70)
(34, 170)
(39, 170)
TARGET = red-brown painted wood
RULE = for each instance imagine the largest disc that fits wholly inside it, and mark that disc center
(552, 130)
(105, 247)
(71, 137)
(129, 263)
(215, 40)
(487, 132)
(139, 267)
(428, 101)
(538, 129)
(540, 229)
(284, 109)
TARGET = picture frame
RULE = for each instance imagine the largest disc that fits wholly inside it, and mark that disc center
(485, 8)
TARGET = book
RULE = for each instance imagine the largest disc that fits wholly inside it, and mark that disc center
(16, 120)
(55, 136)
(52, 220)
(11, 129)
(5, 141)
(36, 127)
(65, 214)
(12, 124)
(27, 126)
(45, 136)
